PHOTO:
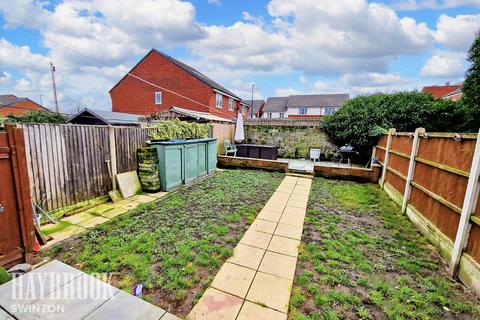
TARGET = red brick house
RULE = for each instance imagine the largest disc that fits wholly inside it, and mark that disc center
(160, 82)
(440, 91)
(11, 104)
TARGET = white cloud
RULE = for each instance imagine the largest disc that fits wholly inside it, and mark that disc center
(215, 2)
(5, 78)
(444, 64)
(21, 58)
(433, 4)
(285, 92)
(374, 79)
(457, 33)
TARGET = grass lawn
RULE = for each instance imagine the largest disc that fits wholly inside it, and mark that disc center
(176, 245)
(361, 259)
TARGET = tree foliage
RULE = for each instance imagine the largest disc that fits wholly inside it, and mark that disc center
(37, 117)
(471, 86)
(362, 120)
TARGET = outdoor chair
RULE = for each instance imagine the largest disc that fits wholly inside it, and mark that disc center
(229, 148)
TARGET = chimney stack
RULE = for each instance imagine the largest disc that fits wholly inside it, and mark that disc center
(447, 83)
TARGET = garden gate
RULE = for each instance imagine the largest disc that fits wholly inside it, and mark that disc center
(17, 233)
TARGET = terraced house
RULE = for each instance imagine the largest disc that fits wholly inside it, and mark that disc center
(303, 106)
(160, 82)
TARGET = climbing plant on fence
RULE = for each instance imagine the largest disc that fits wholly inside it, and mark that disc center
(176, 129)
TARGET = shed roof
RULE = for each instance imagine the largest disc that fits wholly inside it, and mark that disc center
(275, 104)
(108, 117)
(317, 100)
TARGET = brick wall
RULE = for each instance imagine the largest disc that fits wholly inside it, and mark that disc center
(21, 108)
(135, 96)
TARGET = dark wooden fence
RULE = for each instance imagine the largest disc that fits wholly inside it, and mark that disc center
(434, 177)
(68, 164)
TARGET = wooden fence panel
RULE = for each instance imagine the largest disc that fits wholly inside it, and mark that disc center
(68, 164)
(438, 187)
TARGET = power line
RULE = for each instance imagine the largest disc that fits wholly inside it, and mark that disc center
(128, 73)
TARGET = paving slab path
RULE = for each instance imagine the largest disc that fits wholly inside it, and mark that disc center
(256, 282)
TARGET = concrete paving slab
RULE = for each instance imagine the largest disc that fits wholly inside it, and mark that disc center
(233, 279)
(142, 198)
(302, 187)
(247, 256)
(252, 311)
(124, 306)
(114, 213)
(169, 316)
(263, 226)
(292, 219)
(289, 231)
(157, 194)
(297, 197)
(216, 305)
(93, 222)
(101, 209)
(297, 204)
(79, 217)
(129, 184)
(275, 206)
(284, 245)
(269, 215)
(5, 316)
(127, 204)
(256, 239)
(294, 211)
(304, 182)
(271, 291)
(278, 265)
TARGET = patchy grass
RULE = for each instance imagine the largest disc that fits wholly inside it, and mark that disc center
(361, 259)
(176, 245)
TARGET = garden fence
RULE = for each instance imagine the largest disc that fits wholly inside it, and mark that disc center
(434, 177)
(68, 164)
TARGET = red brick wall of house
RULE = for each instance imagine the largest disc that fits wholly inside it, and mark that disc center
(137, 97)
(21, 108)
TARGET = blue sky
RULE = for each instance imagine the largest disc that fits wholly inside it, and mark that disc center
(283, 46)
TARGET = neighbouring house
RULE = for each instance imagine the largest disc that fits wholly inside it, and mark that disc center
(304, 106)
(102, 117)
(11, 104)
(257, 107)
(160, 82)
(455, 95)
(441, 91)
(275, 107)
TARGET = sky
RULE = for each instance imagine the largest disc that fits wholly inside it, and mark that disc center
(282, 46)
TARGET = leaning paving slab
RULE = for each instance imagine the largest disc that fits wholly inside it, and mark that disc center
(255, 283)
(58, 291)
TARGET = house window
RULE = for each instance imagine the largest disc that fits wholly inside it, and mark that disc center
(269, 114)
(302, 110)
(281, 115)
(230, 104)
(218, 100)
(330, 110)
(158, 98)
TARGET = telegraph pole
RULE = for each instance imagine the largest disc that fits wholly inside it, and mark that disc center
(52, 69)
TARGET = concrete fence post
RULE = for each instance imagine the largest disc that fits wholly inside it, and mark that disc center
(469, 205)
(113, 156)
(391, 132)
(411, 167)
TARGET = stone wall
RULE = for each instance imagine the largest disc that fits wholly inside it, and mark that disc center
(292, 142)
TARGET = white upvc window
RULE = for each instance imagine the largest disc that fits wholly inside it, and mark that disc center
(219, 100)
(281, 115)
(158, 98)
(330, 110)
(269, 114)
(302, 110)
(230, 104)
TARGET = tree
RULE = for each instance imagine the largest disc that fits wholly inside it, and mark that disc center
(37, 117)
(471, 86)
(363, 119)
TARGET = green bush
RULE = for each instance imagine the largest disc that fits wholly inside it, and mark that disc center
(471, 86)
(362, 120)
(37, 117)
(176, 129)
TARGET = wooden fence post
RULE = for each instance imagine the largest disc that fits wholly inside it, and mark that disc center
(391, 132)
(113, 155)
(411, 167)
(469, 204)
